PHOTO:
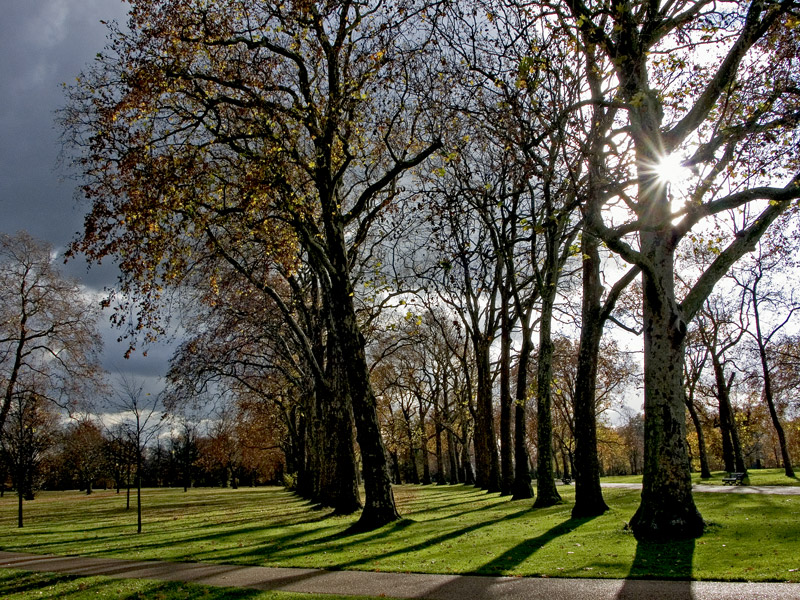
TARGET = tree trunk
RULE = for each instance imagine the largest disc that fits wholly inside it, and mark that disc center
(466, 465)
(522, 488)
(589, 501)
(20, 497)
(547, 494)
(379, 507)
(667, 510)
(452, 455)
(487, 465)
(731, 449)
(773, 413)
(506, 445)
(337, 463)
(437, 424)
(426, 463)
(705, 472)
(139, 491)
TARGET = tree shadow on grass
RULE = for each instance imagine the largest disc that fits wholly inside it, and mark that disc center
(660, 561)
(489, 587)
(521, 552)
(425, 543)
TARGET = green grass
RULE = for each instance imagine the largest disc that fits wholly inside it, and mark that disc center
(756, 477)
(447, 529)
(25, 585)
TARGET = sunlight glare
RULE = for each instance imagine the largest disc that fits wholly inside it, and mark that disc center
(671, 171)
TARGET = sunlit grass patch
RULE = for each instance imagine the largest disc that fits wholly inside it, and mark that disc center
(445, 529)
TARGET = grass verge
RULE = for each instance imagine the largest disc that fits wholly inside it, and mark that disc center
(446, 529)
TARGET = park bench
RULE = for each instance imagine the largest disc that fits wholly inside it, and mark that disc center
(567, 480)
(734, 479)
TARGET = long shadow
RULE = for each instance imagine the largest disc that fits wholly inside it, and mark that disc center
(524, 550)
(430, 541)
(489, 587)
(663, 561)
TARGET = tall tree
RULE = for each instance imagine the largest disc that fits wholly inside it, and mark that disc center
(251, 129)
(720, 336)
(728, 109)
(758, 295)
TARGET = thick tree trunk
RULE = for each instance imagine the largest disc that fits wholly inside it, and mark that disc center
(506, 445)
(589, 500)
(337, 486)
(487, 465)
(379, 507)
(547, 494)
(522, 489)
(667, 510)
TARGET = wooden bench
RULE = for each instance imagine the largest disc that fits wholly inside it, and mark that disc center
(734, 479)
(567, 480)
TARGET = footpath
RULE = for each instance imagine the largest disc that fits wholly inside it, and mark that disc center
(400, 585)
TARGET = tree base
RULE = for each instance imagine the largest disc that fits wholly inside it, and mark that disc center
(543, 501)
(665, 524)
(589, 509)
(522, 490)
(372, 518)
(347, 509)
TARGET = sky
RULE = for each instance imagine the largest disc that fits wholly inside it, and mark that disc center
(44, 44)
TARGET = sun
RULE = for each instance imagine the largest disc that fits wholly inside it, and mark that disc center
(670, 170)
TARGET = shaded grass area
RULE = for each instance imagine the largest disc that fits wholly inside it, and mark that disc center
(26, 585)
(445, 529)
(756, 477)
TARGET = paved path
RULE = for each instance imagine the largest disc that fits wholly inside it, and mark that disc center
(401, 585)
(784, 490)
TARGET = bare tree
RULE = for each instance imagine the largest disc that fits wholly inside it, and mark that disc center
(760, 295)
(140, 418)
(28, 433)
(48, 336)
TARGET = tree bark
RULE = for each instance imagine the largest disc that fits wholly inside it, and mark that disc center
(667, 510)
(589, 500)
(466, 465)
(487, 465)
(337, 461)
(547, 494)
(705, 472)
(522, 488)
(506, 444)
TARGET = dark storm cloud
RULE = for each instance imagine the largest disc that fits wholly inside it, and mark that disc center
(44, 44)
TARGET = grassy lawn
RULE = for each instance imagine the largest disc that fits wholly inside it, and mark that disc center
(447, 529)
(22, 585)
(757, 477)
